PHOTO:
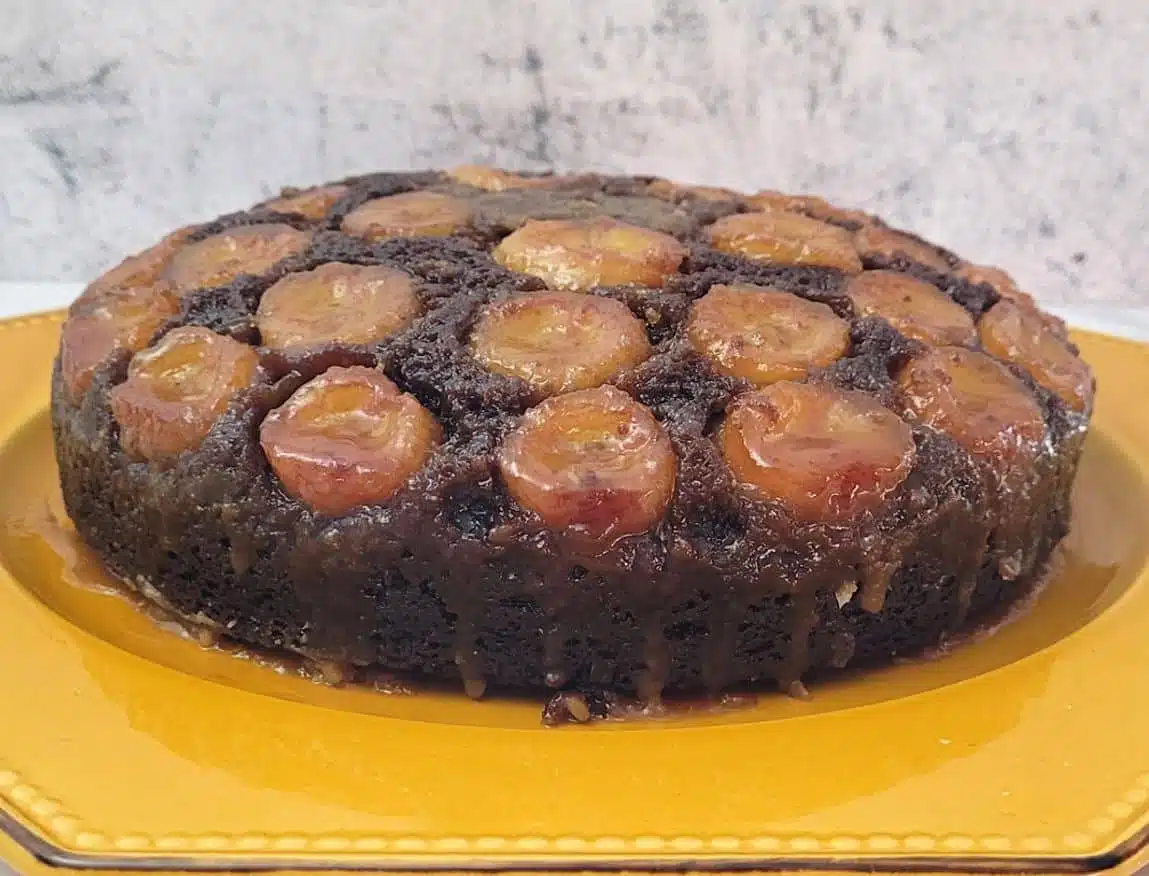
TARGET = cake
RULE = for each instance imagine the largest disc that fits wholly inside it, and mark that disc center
(585, 432)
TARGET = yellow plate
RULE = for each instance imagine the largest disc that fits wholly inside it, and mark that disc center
(123, 745)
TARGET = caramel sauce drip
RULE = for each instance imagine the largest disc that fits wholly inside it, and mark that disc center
(803, 617)
(721, 641)
(82, 569)
(1012, 498)
(469, 660)
(554, 641)
(652, 680)
(876, 577)
(966, 584)
(842, 649)
(465, 602)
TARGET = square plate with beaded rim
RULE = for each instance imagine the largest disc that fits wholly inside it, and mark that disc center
(126, 747)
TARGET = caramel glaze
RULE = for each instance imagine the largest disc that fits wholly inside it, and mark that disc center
(450, 579)
(83, 569)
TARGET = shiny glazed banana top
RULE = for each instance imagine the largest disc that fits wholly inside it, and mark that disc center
(593, 277)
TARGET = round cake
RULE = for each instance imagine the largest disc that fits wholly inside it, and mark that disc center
(568, 432)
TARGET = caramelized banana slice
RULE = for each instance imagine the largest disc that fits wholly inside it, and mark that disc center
(494, 179)
(177, 389)
(559, 341)
(783, 238)
(309, 203)
(771, 201)
(115, 320)
(764, 335)
(348, 438)
(355, 304)
(411, 214)
(245, 249)
(580, 254)
(1018, 334)
(916, 309)
(881, 242)
(975, 400)
(1001, 282)
(768, 200)
(594, 463)
(825, 454)
(673, 191)
(1005, 286)
(142, 269)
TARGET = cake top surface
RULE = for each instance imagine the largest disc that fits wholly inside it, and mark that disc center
(611, 347)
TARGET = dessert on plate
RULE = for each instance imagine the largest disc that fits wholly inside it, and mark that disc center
(568, 432)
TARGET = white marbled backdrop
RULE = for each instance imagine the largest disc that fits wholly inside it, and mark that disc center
(1017, 132)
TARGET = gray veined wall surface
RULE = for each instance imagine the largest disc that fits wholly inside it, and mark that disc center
(1016, 132)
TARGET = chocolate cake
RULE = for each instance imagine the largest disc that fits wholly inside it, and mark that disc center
(568, 432)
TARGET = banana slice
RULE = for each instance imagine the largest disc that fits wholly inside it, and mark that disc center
(142, 269)
(1001, 282)
(1018, 334)
(309, 203)
(177, 389)
(783, 238)
(915, 308)
(559, 341)
(764, 335)
(354, 304)
(673, 191)
(113, 321)
(494, 179)
(348, 438)
(818, 208)
(974, 399)
(245, 249)
(881, 242)
(411, 214)
(825, 454)
(594, 463)
(1005, 286)
(579, 254)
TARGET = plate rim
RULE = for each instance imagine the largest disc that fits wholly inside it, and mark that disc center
(18, 795)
